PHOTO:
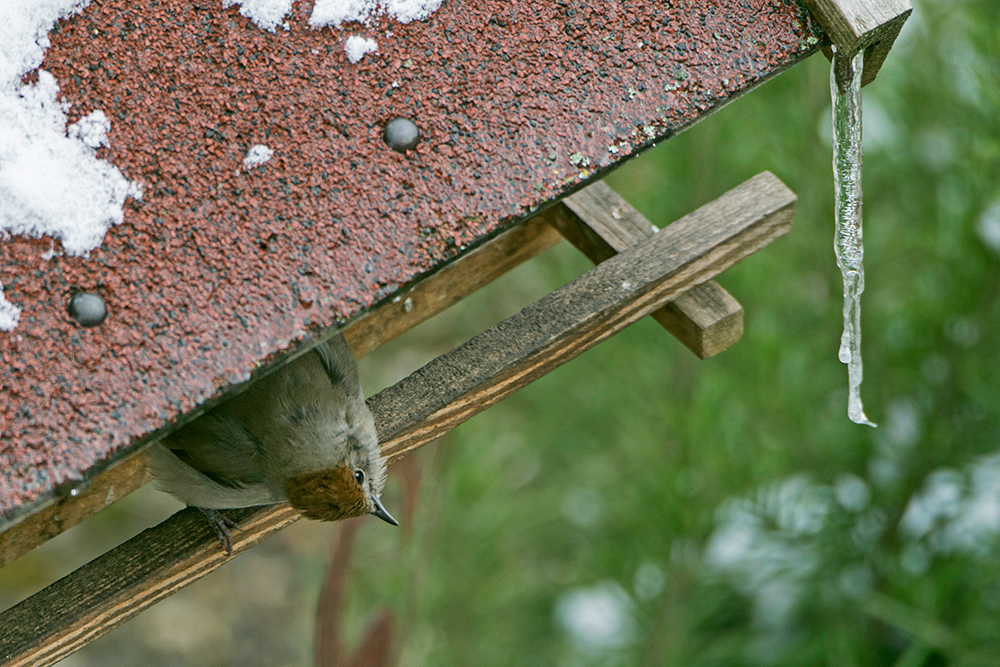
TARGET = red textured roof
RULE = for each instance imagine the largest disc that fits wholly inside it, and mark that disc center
(217, 271)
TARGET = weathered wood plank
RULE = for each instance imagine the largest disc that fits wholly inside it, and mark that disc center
(450, 285)
(707, 319)
(872, 25)
(108, 486)
(111, 589)
(600, 223)
(422, 301)
(558, 327)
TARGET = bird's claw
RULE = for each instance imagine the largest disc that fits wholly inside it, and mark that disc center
(221, 524)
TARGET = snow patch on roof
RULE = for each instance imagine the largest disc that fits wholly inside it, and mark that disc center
(92, 129)
(337, 12)
(9, 313)
(356, 47)
(267, 14)
(51, 181)
(256, 156)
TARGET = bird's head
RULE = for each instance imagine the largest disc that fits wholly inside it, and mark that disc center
(350, 489)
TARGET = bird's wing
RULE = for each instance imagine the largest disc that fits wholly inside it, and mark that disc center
(339, 364)
(193, 488)
(221, 448)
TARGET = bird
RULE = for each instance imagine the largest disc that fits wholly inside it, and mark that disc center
(302, 434)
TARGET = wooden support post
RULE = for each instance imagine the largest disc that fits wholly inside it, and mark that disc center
(872, 25)
(425, 299)
(82, 606)
(601, 224)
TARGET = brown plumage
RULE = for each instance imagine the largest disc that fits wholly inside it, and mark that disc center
(327, 495)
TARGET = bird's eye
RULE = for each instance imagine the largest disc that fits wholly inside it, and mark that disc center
(359, 475)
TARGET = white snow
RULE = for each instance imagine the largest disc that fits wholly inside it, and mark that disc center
(405, 11)
(9, 313)
(51, 182)
(336, 12)
(91, 129)
(256, 156)
(267, 14)
(356, 48)
(24, 29)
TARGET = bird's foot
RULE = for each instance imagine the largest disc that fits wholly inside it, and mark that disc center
(221, 524)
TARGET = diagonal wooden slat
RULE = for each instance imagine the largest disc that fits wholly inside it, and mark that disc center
(601, 224)
(111, 589)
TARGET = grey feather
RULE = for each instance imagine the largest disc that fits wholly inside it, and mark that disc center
(306, 416)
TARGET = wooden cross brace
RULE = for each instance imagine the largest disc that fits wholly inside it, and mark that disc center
(637, 282)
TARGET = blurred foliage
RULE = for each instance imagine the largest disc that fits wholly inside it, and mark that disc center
(638, 458)
(641, 507)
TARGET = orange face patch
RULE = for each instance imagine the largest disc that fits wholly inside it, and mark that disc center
(327, 495)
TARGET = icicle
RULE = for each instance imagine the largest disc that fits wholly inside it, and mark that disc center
(845, 87)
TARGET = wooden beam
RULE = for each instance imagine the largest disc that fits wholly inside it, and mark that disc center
(872, 25)
(425, 299)
(708, 319)
(450, 285)
(601, 224)
(108, 486)
(80, 607)
(126, 580)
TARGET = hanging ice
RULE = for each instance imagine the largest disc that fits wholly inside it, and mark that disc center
(845, 87)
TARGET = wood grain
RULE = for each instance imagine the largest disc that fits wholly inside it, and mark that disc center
(872, 25)
(707, 319)
(425, 299)
(600, 223)
(155, 564)
(113, 588)
(108, 486)
(450, 285)
(457, 385)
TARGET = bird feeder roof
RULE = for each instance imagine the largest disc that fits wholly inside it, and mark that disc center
(223, 269)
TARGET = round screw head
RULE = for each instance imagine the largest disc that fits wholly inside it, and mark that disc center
(401, 134)
(88, 309)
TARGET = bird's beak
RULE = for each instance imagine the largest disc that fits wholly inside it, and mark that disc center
(380, 512)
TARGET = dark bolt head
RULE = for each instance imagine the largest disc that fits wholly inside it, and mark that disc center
(402, 134)
(87, 309)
